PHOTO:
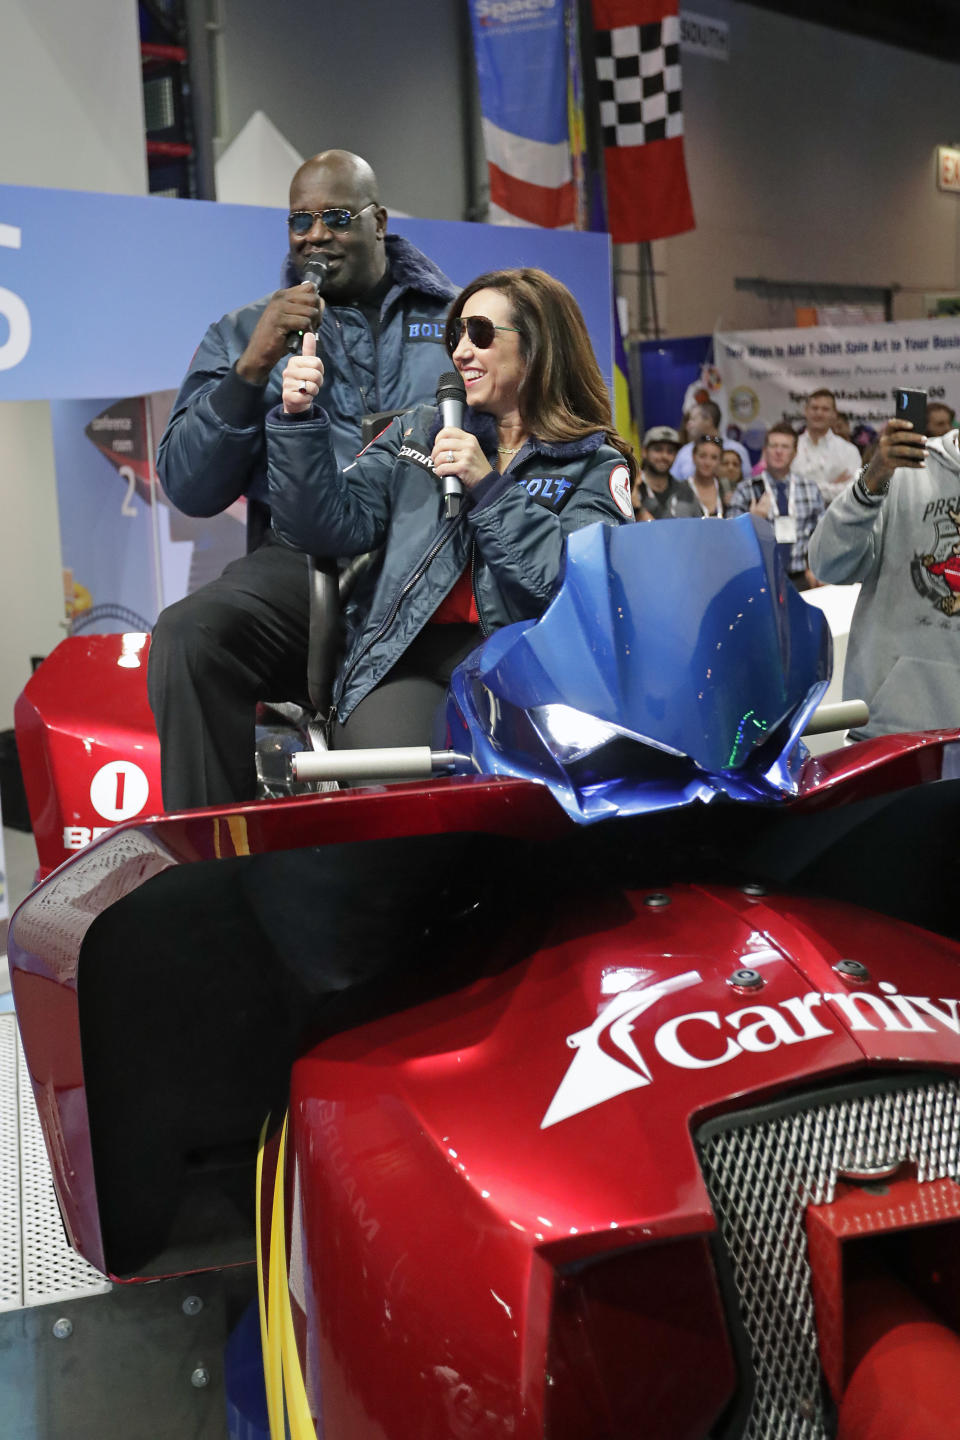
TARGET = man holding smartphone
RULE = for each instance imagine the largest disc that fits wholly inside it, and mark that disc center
(792, 503)
(896, 529)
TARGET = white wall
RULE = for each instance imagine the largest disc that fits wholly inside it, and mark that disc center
(383, 80)
(71, 103)
(31, 580)
(71, 116)
(811, 157)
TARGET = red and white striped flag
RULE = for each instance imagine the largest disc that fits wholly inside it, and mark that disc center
(522, 63)
(531, 181)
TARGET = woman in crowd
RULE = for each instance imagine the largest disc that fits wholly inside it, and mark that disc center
(707, 453)
(730, 473)
(537, 457)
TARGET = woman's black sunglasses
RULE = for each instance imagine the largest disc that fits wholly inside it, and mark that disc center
(478, 327)
(301, 222)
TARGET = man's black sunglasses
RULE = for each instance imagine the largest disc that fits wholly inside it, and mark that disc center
(478, 327)
(301, 222)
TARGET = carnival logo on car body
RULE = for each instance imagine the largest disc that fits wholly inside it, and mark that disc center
(608, 1061)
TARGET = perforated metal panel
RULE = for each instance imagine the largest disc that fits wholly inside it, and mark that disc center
(37, 1266)
(11, 1288)
(761, 1176)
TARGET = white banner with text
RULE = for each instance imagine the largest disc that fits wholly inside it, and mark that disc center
(767, 374)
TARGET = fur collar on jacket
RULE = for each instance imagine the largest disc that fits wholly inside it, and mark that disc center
(409, 267)
(484, 427)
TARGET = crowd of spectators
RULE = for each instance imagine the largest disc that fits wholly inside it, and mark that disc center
(702, 470)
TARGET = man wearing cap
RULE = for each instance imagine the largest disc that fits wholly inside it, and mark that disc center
(656, 494)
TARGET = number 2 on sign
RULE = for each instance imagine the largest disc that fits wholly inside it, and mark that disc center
(128, 507)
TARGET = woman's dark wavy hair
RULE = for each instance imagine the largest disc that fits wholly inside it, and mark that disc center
(562, 394)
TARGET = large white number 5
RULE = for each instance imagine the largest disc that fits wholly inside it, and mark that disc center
(13, 310)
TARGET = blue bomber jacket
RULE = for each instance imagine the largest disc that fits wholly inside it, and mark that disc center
(212, 450)
(510, 529)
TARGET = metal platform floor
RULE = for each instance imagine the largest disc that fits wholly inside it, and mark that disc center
(81, 1358)
(37, 1266)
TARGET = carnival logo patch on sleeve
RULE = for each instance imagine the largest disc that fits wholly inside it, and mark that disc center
(551, 491)
(414, 453)
(620, 490)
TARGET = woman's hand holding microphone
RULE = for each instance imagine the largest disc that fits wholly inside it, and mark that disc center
(457, 453)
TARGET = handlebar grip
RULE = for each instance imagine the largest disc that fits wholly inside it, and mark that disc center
(844, 715)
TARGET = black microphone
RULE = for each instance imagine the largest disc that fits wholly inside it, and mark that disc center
(315, 270)
(451, 396)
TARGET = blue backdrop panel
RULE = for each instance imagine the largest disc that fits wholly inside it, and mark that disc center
(667, 367)
(110, 294)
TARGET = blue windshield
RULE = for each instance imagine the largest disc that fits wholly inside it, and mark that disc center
(685, 635)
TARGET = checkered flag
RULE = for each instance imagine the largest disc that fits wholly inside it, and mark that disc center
(638, 67)
(637, 49)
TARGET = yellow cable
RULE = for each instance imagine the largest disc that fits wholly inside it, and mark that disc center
(269, 1329)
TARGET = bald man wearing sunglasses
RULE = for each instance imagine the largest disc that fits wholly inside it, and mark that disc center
(379, 319)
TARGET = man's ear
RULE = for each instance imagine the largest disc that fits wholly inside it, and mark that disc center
(381, 218)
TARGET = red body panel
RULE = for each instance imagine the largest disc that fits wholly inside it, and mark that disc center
(463, 1158)
(84, 709)
(832, 1230)
(435, 1190)
(876, 767)
(47, 930)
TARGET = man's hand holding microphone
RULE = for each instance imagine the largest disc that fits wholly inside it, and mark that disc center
(288, 316)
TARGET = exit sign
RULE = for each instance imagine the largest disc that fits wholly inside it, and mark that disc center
(948, 168)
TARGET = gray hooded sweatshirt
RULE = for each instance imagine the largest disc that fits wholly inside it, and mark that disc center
(903, 655)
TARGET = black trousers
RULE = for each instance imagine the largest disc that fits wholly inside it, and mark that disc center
(243, 638)
(406, 707)
(213, 656)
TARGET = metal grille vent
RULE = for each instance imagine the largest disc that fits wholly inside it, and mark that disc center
(158, 107)
(761, 1176)
(10, 1240)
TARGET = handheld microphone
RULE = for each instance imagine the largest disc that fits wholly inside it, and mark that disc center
(451, 395)
(315, 270)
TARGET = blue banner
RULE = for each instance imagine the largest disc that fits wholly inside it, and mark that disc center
(109, 295)
(521, 55)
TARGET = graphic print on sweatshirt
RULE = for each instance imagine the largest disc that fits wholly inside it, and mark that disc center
(936, 574)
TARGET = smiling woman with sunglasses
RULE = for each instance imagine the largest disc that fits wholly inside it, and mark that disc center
(537, 456)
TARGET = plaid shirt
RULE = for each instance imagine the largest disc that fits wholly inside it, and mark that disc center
(807, 508)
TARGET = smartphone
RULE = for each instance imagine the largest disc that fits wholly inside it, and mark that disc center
(911, 405)
(758, 488)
